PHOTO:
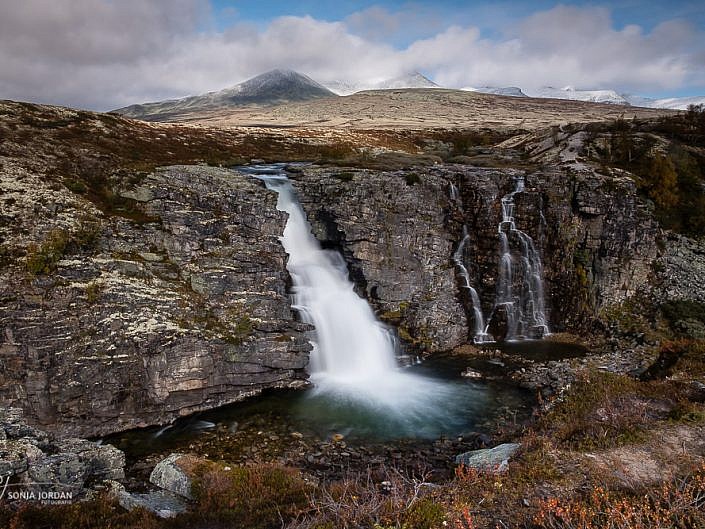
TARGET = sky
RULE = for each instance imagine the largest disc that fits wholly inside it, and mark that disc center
(104, 54)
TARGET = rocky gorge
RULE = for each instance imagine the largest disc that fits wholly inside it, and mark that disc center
(142, 284)
(112, 321)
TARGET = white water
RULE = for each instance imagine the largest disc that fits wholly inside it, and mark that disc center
(480, 334)
(354, 355)
(525, 306)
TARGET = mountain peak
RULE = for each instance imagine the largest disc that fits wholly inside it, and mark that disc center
(408, 80)
(270, 88)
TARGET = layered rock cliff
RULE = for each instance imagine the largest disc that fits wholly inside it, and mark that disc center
(399, 230)
(110, 324)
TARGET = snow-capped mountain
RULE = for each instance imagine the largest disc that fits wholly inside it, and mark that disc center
(410, 80)
(276, 86)
(513, 91)
(569, 92)
(595, 96)
(673, 103)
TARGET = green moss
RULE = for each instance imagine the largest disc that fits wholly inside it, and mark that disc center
(75, 185)
(93, 291)
(424, 514)
(242, 330)
(42, 258)
(412, 178)
(344, 176)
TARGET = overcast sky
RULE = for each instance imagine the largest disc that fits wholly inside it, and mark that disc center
(104, 54)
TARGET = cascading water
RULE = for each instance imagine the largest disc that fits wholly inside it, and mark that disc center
(350, 344)
(480, 333)
(524, 306)
(354, 355)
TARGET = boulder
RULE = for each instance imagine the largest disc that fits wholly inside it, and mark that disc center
(175, 474)
(163, 503)
(489, 459)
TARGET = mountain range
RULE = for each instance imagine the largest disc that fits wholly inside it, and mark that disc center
(286, 86)
(595, 96)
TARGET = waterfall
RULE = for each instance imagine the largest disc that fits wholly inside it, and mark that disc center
(480, 333)
(520, 276)
(354, 355)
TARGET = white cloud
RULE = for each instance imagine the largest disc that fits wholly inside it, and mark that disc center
(104, 54)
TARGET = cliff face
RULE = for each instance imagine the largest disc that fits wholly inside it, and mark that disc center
(139, 323)
(396, 241)
(399, 231)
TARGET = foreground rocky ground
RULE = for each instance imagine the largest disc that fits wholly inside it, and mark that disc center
(135, 291)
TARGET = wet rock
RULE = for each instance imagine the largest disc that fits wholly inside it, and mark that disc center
(489, 459)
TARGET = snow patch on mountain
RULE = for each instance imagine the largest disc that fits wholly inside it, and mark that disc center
(513, 91)
(410, 80)
(569, 92)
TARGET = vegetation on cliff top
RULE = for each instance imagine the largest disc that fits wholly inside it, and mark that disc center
(668, 158)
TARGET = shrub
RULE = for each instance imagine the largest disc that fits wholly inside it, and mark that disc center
(604, 410)
(93, 291)
(99, 513)
(424, 514)
(42, 258)
(256, 497)
(677, 504)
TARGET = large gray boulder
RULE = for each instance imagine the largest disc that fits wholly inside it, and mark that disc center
(173, 474)
(489, 459)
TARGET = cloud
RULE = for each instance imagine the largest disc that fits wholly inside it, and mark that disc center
(104, 54)
(413, 21)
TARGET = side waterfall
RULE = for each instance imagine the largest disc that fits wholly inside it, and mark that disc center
(480, 334)
(520, 276)
(354, 355)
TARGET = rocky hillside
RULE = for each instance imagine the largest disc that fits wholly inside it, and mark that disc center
(399, 230)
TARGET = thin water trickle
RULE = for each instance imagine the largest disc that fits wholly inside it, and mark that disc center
(520, 276)
(480, 334)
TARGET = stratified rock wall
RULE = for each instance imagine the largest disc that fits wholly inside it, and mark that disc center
(398, 231)
(395, 237)
(155, 320)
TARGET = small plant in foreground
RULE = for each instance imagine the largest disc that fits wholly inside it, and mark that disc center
(676, 504)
